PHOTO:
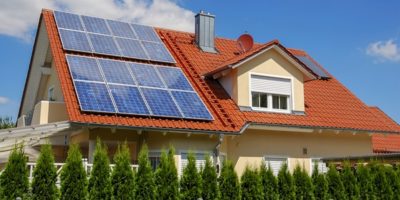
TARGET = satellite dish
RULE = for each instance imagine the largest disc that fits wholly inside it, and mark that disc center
(245, 42)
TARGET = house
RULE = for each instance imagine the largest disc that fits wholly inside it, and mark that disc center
(94, 78)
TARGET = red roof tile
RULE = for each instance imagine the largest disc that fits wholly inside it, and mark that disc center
(328, 103)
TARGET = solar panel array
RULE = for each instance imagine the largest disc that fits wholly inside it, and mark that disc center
(313, 66)
(111, 86)
(109, 37)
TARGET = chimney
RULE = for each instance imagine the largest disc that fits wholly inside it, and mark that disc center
(205, 31)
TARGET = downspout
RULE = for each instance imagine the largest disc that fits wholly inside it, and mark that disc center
(216, 153)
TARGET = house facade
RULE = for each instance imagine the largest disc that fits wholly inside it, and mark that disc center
(263, 103)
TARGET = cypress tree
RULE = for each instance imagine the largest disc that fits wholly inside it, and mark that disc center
(167, 177)
(394, 182)
(382, 188)
(73, 176)
(364, 180)
(349, 180)
(286, 187)
(45, 176)
(335, 185)
(320, 184)
(303, 184)
(228, 182)
(268, 182)
(14, 179)
(209, 181)
(145, 185)
(99, 181)
(190, 180)
(122, 178)
(251, 185)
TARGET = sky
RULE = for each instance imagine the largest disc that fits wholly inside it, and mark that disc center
(358, 42)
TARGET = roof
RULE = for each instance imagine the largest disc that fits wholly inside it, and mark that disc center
(329, 104)
(382, 143)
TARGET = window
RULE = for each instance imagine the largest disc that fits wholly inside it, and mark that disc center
(275, 163)
(155, 159)
(270, 93)
(50, 94)
(322, 168)
(200, 161)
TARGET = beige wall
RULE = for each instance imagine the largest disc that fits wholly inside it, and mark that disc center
(237, 82)
(48, 112)
(52, 82)
(250, 147)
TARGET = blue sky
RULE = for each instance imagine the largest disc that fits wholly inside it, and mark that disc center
(356, 41)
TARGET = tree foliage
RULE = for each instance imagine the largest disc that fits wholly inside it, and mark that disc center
(145, 185)
(268, 182)
(209, 181)
(190, 180)
(73, 176)
(335, 185)
(382, 189)
(320, 184)
(14, 179)
(393, 181)
(45, 176)
(122, 177)
(303, 184)
(228, 182)
(250, 185)
(99, 181)
(167, 177)
(6, 122)
(286, 187)
(364, 180)
(349, 180)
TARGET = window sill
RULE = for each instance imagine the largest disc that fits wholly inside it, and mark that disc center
(271, 110)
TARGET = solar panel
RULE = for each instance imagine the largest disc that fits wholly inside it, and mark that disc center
(95, 25)
(84, 68)
(128, 100)
(160, 102)
(146, 33)
(146, 75)
(94, 97)
(68, 21)
(157, 51)
(104, 44)
(131, 48)
(174, 78)
(121, 29)
(111, 86)
(116, 72)
(74, 40)
(110, 37)
(313, 66)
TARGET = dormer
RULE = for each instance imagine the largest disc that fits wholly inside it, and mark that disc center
(267, 78)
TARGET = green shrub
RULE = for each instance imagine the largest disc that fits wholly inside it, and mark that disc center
(145, 185)
(14, 179)
(6, 122)
(99, 181)
(190, 180)
(286, 187)
(209, 181)
(45, 176)
(122, 178)
(303, 184)
(364, 180)
(335, 184)
(269, 183)
(320, 184)
(250, 185)
(382, 189)
(393, 181)
(167, 177)
(349, 180)
(228, 182)
(73, 176)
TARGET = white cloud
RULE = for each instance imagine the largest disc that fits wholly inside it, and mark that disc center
(4, 100)
(384, 50)
(19, 17)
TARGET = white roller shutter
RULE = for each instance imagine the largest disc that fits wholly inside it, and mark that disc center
(275, 164)
(271, 85)
(200, 161)
(322, 168)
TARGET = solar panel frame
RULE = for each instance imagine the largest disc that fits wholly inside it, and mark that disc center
(109, 106)
(158, 52)
(117, 29)
(95, 25)
(313, 66)
(131, 48)
(60, 20)
(182, 83)
(116, 72)
(161, 103)
(191, 105)
(146, 33)
(104, 44)
(83, 44)
(146, 75)
(138, 105)
(90, 72)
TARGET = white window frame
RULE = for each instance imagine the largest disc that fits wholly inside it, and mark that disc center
(50, 94)
(286, 158)
(290, 99)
